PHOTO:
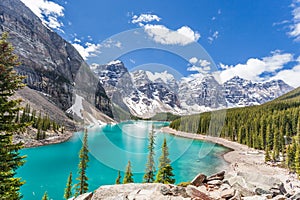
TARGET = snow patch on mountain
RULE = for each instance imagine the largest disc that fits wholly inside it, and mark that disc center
(146, 93)
(164, 76)
(77, 107)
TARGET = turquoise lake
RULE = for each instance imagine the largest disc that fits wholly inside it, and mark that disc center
(111, 146)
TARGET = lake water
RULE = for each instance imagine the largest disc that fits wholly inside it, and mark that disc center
(111, 146)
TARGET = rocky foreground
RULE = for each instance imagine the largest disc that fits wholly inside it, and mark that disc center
(217, 186)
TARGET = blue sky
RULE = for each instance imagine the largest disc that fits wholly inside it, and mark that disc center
(256, 40)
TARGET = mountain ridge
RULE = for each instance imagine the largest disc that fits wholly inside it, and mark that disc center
(148, 93)
(51, 65)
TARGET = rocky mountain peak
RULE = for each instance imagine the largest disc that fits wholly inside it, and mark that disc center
(52, 65)
(153, 92)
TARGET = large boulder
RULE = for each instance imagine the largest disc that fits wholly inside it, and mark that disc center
(295, 196)
(217, 176)
(227, 193)
(198, 180)
(243, 190)
(194, 192)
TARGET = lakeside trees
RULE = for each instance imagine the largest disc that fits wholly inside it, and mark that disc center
(42, 123)
(68, 190)
(128, 174)
(165, 174)
(150, 166)
(10, 82)
(273, 127)
(82, 185)
(118, 179)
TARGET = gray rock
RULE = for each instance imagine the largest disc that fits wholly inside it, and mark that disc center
(165, 189)
(178, 191)
(227, 193)
(295, 196)
(282, 189)
(268, 196)
(217, 176)
(256, 197)
(203, 189)
(215, 194)
(237, 179)
(194, 192)
(275, 191)
(243, 191)
(215, 182)
(260, 191)
(280, 197)
(237, 196)
(198, 180)
(225, 186)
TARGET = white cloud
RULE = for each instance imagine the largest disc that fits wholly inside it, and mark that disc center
(111, 43)
(87, 50)
(194, 68)
(204, 63)
(201, 66)
(214, 36)
(254, 67)
(193, 60)
(295, 27)
(290, 76)
(90, 49)
(48, 11)
(163, 35)
(144, 18)
(77, 40)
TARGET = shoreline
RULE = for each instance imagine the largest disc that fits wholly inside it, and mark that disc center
(54, 139)
(245, 161)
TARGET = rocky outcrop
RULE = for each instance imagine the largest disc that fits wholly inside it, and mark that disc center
(51, 64)
(216, 186)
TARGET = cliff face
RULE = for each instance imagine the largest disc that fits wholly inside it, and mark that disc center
(52, 65)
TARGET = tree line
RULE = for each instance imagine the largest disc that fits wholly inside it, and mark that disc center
(42, 123)
(273, 127)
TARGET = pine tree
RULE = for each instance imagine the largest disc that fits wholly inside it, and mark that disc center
(68, 190)
(298, 131)
(289, 157)
(268, 137)
(82, 186)
(267, 154)
(118, 179)
(45, 196)
(275, 153)
(128, 174)
(150, 166)
(10, 82)
(297, 160)
(164, 174)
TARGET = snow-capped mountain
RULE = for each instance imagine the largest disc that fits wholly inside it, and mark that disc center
(201, 94)
(241, 92)
(141, 92)
(154, 93)
(144, 93)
